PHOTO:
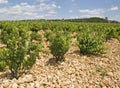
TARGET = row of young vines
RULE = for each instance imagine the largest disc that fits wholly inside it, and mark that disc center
(22, 41)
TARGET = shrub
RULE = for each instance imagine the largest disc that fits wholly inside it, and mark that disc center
(3, 52)
(2, 65)
(21, 51)
(36, 36)
(112, 33)
(59, 45)
(90, 43)
(118, 34)
(102, 71)
(35, 27)
(48, 34)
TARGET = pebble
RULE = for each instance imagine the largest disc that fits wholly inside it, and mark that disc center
(29, 86)
(110, 74)
(37, 84)
(14, 85)
(6, 83)
(104, 87)
(21, 86)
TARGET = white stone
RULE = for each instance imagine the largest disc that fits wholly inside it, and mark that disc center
(6, 83)
(14, 85)
(21, 86)
(32, 84)
(37, 84)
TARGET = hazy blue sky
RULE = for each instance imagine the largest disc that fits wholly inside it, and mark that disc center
(52, 9)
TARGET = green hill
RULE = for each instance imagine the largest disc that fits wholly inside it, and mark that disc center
(92, 19)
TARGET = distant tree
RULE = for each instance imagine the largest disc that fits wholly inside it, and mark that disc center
(106, 18)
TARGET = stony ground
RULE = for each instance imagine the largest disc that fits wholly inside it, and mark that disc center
(77, 71)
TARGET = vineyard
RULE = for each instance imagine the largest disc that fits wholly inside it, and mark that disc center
(59, 54)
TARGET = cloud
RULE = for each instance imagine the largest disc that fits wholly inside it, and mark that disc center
(27, 11)
(52, 12)
(17, 9)
(70, 11)
(71, 17)
(73, 0)
(84, 16)
(115, 17)
(92, 12)
(42, 0)
(59, 7)
(3, 1)
(114, 8)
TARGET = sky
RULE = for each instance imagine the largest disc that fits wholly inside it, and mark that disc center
(59, 9)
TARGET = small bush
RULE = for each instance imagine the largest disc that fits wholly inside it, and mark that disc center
(102, 71)
(36, 36)
(59, 45)
(35, 27)
(90, 43)
(48, 35)
(20, 51)
(2, 59)
(2, 65)
(112, 33)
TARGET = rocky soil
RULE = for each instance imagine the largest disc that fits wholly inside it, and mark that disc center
(77, 71)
